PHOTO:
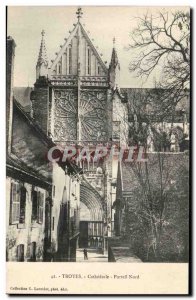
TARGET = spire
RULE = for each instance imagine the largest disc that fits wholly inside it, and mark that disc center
(114, 59)
(79, 13)
(42, 62)
(114, 68)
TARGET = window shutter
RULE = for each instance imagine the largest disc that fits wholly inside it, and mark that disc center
(34, 205)
(22, 204)
(41, 207)
(15, 203)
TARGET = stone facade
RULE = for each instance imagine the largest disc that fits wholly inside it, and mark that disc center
(35, 189)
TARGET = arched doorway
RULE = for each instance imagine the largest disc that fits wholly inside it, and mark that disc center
(91, 218)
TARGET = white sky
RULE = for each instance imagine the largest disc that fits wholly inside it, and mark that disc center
(25, 24)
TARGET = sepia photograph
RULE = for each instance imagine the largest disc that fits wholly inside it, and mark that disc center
(97, 135)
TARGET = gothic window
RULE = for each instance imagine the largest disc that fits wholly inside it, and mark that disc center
(98, 70)
(20, 252)
(18, 203)
(92, 115)
(69, 60)
(59, 70)
(88, 61)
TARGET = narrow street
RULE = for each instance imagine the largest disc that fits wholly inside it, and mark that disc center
(94, 255)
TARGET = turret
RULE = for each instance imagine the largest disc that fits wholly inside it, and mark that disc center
(114, 69)
(42, 62)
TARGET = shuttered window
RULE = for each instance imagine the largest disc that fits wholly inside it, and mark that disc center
(40, 207)
(34, 205)
(37, 206)
(22, 204)
(15, 203)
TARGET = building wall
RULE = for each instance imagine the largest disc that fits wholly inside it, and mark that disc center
(64, 189)
(58, 184)
(26, 233)
(9, 89)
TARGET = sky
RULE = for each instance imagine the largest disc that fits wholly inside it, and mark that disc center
(25, 24)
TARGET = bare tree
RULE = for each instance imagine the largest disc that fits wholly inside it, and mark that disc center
(156, 206)
(163, 41)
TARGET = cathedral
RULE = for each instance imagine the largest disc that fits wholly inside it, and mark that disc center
(76, 100)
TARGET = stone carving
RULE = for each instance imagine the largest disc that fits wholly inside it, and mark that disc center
(92, 114)
(65, 116)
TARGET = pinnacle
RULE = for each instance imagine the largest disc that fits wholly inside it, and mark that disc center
(42, 57)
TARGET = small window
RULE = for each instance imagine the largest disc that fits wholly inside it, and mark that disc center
(98, 70)
(20, 252)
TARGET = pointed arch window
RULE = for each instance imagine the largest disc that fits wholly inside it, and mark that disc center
(88, 61)
(69, 60)
(59, 69)
(98, 70)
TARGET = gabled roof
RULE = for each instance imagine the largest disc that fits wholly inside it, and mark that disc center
(79, 41)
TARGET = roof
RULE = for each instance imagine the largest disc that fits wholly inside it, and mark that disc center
(18, 107)
(22, 95)
(34, 150)
(16, 166)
